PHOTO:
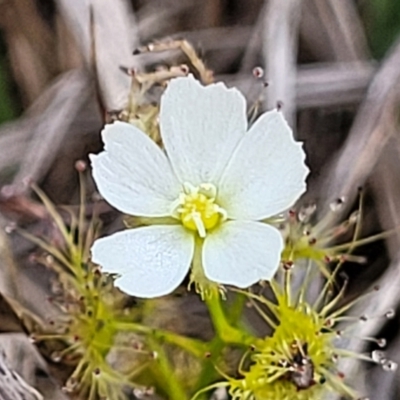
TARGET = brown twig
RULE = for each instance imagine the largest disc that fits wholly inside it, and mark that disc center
(281, 22)
(374, 124)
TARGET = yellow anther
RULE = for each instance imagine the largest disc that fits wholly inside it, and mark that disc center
(197, 209)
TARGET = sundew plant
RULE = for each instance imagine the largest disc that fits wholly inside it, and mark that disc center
(209, 204)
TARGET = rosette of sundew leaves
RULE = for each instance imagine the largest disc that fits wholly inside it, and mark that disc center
(90, 310)
(300, 359)
(99, 334)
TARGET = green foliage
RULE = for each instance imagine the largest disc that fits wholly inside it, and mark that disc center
(382, 21)
(8, 106)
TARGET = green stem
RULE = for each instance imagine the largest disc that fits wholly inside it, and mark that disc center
(235, 311)
(212, 298)
(223, 328)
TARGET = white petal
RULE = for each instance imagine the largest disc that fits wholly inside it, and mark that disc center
(200, 127)
(241, 253)
(266, 175)
(133, 174)
(151, 261)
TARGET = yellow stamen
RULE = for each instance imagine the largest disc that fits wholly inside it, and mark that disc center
(197, 210)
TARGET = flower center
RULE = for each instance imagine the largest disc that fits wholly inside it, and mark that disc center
(196, 208)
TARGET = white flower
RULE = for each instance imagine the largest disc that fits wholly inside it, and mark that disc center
(216, 180)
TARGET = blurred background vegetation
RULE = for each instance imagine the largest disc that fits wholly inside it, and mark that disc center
(381, 20)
